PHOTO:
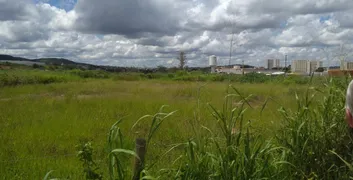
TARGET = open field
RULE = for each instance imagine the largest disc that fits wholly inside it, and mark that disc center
(41, 124)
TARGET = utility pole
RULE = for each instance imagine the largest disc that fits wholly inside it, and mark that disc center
(243, 67)
(285, 65)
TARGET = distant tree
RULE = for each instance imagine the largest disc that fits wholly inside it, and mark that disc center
(287, 69)
(35, 66)
(51, 67)
(173, 69)
(182, 60)
(162, 69)
(320, 69)
(70, 67)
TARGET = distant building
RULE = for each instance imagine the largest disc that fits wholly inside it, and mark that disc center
(342, 65)
(273, 63)
(313, 66)
(305, 66)
(213, 63)
(346, 66)
(299, 66)
(237, 67)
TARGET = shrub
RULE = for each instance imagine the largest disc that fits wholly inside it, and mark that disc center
(254, 78)
(91, 74)
(128, 76)
(19, 79)
(85, 155)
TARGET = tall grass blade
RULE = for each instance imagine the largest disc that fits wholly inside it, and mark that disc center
(46, 177)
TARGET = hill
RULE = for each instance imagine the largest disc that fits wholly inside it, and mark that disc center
(68, 64)
(48, 61)
(56, 61)
(12, 58)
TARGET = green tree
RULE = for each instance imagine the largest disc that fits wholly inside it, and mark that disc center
(182, 60)
(320, 69)
(35, 66)
(162, 69)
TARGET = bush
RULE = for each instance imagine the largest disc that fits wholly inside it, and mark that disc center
(91, 74)
(128, 76)
(17, 78)
(153, 76)
(254, 78)
(218, 77)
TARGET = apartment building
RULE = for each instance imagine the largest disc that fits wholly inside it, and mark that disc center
(305, 66)
(273, 63)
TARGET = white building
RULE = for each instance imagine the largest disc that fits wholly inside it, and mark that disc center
(212, 61)
(346, 66)
(299, 66)
(313, 66)
(305, 66)
(273, 63)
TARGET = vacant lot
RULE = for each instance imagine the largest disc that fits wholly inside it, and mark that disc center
(41, 125)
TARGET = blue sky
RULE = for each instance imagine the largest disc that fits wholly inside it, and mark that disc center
(63, 4)
(325, 18)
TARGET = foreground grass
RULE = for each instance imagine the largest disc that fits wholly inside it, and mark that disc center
(40, 125)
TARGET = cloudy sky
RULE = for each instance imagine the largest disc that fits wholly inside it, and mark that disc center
(148, 33)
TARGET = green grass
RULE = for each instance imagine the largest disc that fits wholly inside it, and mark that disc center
(41, 125)
(48, 120)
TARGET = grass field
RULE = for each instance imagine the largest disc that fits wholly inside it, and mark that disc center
(41, 124)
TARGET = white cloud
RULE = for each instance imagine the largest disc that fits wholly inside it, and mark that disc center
(152, 32)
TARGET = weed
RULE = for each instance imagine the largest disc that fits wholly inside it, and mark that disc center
(85, 155)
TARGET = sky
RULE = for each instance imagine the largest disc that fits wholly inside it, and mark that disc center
(150, 33)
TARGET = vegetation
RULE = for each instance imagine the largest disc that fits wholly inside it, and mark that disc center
(259, 127)
(53, 74)
(312, 143)
(182, 60)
